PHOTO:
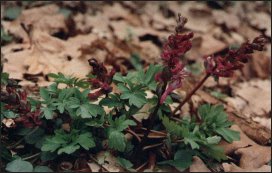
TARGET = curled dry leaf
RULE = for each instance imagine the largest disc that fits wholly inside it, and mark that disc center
(234, 168)
(221, 17)
(198, 165)
(207, 45)
(252, 129)
(256, 95)
(46, 18)
(261, 21)
(8, 122)
(252, 155)
(109, 162)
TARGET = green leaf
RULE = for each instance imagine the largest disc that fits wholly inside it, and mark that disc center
(53, 143)
(12, 12)
(96, 122)
(218, 95)
(214, 140)
(44, 94)
(90, 110)
(111, 101)
(5, 37)
(86, 141)
(48, 112)
(125, 163)
(118, 78)
(19, 165)
(136, 98)
(150, 73)
(4, 76)
(136, 61)
(123, 88)
(69, 149)
(228, 134)
(46, 156)
(117, 141)
(182, 160)
(34, 136)
(66, 12)
(42, 169)
(9, 114)
(215, 152)
(121, 123)
(192, 143)
(171, 127)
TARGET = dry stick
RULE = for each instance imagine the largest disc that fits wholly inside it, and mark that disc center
(134, 134)
(191, 93)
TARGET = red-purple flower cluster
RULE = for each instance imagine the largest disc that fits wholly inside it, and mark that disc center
(18, 103)
(174, 72)
(234, 60)
(103, 79)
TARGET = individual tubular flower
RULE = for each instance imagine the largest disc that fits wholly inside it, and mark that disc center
(219, 66)
(102, 80)
(174, 72)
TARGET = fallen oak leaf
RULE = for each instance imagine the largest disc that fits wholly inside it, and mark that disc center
(234, 168)
(252, 155)
(198, 165)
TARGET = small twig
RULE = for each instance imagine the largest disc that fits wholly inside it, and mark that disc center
(141, 167)
(134, 134)
(32, 156)
(190, 94)
(155, 131)
(152, 146)
(16, 144)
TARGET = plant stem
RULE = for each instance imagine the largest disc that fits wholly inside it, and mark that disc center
(191, 93)
(152, 118)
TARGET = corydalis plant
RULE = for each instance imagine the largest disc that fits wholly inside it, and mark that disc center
(216, 66)
(174, 72)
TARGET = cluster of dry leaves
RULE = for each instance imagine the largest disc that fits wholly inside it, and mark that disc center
(51, 42)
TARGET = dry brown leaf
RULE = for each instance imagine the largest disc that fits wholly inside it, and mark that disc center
(8, 122)
(198, 165)
(247, 32)
(256, 94)
(110, 162)
(221, 17)
(46, 18)
(117, 11)
(244, 141)
(261, 21)
(208, 45)
(252, 155)
(233, 168)
(252, 129)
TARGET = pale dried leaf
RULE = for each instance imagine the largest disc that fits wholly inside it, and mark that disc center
(198, 165)
(233, 168)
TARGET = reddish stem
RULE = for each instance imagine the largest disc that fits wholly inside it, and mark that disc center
(191, 93)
